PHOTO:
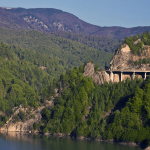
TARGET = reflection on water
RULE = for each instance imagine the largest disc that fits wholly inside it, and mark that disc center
(22, 141)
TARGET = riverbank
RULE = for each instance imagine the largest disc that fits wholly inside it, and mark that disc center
(25, 141)
(63, 135)
(96, 139)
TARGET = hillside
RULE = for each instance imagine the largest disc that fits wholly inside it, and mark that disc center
(20, 81)
(48, 20)
(70, 53)
(102, 43)
(23, 77)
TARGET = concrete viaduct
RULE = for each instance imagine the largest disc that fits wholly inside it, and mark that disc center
(123, 74)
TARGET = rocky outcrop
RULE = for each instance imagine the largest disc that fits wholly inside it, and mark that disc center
(27, 125)
(32, 115)
(121, 58)
(124, 58)
(123, 61)
(148, 148)
(43, 68)
(98, 77)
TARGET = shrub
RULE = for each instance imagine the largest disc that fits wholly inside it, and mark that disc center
(34, 126)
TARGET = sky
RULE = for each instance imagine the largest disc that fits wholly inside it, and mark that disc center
(125, 13)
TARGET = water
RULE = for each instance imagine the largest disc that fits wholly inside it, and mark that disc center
(17, 141)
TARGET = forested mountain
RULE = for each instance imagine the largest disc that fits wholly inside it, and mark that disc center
(70, 53)
(49, 20)
(104, 44)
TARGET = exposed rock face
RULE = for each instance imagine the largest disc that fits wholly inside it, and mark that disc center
(98, 77)
(136, 42)
(148, 148)
(26, 126)
(121, 59)
(42, 67)
(124, 58)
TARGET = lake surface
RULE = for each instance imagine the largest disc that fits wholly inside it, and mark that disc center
(17, 141)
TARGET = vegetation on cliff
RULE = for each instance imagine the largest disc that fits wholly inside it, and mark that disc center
(141, 61)
(137, 47)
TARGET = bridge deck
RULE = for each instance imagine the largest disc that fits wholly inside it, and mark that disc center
(128, 70)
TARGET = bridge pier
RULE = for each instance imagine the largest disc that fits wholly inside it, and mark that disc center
(121, 75)
(133, 76)
(145, 76)
(111, 76)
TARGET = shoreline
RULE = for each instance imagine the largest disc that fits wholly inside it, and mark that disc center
(63, 135)
(132, 144)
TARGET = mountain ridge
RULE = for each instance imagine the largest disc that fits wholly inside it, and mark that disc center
(49, 20)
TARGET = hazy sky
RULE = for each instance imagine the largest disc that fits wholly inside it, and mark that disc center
(125, 13)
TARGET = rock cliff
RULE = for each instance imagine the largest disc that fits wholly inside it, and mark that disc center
(27, 125)
(98, 77)
(31, 117)
(124, 59)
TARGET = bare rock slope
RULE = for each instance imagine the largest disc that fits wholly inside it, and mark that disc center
(124, 59)
(27, 125)
(98, 77)
(23, 126)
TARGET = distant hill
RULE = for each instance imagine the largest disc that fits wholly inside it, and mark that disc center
(102, 43)
(66, 52)
(48, 20)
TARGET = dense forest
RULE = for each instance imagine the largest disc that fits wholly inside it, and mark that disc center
(102, 43)
(71, 52)
(22, 79)
(118, 111)
(143, 39)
